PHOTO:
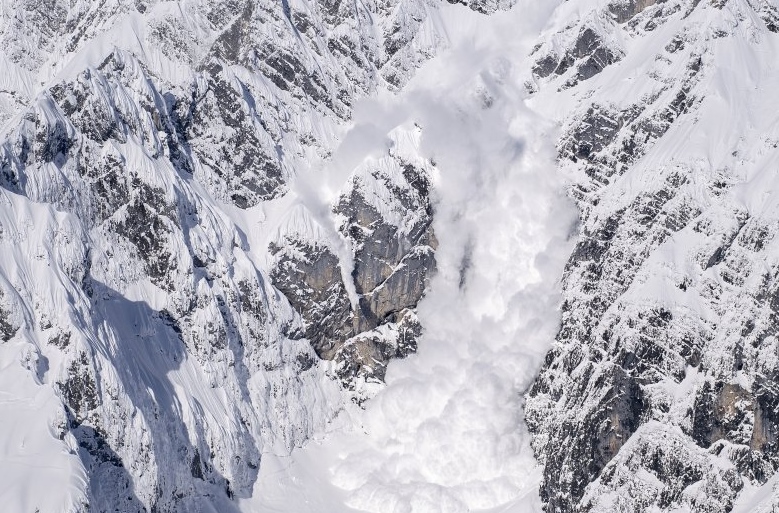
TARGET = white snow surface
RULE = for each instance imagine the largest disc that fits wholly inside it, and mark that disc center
(446, 433)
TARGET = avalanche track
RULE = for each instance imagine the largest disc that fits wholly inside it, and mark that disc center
(447, 432)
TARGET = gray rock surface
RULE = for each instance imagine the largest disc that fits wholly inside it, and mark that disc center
(386, 220)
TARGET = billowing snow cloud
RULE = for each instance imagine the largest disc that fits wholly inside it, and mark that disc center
(447, 432)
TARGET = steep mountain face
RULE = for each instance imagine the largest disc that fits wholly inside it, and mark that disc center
(204, 260)
(173, 281)
(660, 392)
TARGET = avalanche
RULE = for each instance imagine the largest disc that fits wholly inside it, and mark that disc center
(201, 199)
(377, 255)
(446, 433)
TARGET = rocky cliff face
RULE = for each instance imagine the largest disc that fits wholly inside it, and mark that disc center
(384, 217)
(659, 394)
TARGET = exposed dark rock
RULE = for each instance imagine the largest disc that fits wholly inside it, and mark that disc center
(606, 427)
(588, 54)
(312, 283)
(484, 6)
(366, 355)
(244, 155)
(101, 460)
(79, 389)
(720, 412)
(625, 10)
(147, 227)
(391, 268)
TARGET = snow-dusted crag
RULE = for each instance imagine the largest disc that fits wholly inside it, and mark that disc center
(384, 215)
(661, 391)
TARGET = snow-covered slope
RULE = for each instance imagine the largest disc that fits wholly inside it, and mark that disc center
(153, 155)
(220, 221)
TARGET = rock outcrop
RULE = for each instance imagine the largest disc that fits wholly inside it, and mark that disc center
(385, 226)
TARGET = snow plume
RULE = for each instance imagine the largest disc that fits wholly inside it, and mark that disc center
(447, 432)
